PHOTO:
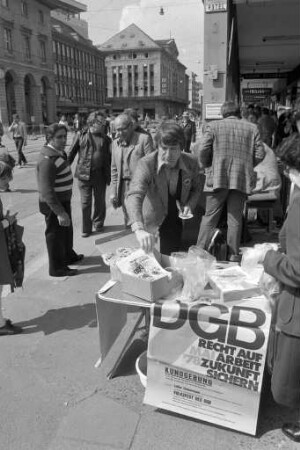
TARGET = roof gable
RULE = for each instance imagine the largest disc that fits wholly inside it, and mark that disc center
(169, 45)
(131, 38)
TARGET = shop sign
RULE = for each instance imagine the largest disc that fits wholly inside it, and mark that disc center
(215, 6)
(257, 91)
(256, 94)
(265, 75)
(206, 361)
(213, 111)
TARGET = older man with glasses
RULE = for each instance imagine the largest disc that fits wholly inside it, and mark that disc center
(127, 149)
(93, 170)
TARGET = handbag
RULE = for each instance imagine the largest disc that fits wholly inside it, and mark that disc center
(16, 253)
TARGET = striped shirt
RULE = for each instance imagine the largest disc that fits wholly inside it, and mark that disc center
(64, 177)
(55, 179)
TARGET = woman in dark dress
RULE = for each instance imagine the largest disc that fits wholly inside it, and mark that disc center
(284, 266)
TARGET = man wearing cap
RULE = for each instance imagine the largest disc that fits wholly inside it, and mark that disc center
(127, 149)
(189, 129)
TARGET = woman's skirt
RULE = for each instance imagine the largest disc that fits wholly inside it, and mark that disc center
(286, 371)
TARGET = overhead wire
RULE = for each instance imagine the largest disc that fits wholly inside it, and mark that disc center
(166, 6)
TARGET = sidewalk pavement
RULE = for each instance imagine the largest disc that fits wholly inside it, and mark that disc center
(52, 396)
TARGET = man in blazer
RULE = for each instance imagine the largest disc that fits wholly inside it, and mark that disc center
(165, 183)
(229, 150)
(127, 149)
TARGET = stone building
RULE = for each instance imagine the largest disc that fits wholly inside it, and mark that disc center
(195, 94)
(26, 62)
(251, 53)
(144, 74)
(79, 69)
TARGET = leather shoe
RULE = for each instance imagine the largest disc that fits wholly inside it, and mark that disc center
(76, 258)
(67, 272)
(9, 329)
(98, 227)
(84, 235)
(292, 431)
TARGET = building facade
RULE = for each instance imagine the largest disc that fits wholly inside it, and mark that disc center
(26, 63)
(195, 94)
(79, 71)
(251, 53)
(144, 74)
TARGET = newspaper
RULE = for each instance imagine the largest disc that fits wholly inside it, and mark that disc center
(142, 265)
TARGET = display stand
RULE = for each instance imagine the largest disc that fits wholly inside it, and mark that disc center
(113, 306)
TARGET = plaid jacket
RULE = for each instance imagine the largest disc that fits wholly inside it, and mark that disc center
(229, 150)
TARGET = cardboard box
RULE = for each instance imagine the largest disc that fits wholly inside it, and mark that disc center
(148, 288)
(232, 284)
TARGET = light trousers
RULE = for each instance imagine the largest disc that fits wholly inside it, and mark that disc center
(215, 202)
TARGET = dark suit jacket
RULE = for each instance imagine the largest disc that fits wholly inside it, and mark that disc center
(189, 130)
(228, 150)
(139, 146)
(285, 267)
(147, 199)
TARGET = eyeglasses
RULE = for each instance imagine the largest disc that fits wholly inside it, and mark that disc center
(120, 129)
(98, 122)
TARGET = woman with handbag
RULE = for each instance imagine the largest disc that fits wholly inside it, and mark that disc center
(6, 274)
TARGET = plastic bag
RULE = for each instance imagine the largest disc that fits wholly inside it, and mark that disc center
(193, 266)
(252, 257)
(202, 254)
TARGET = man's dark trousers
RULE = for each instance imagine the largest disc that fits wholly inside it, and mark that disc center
(59, 240)
(19, 142)
(215, 201)
(96, 186)
(170, 231)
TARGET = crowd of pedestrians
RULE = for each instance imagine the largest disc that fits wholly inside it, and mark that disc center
(156, 180)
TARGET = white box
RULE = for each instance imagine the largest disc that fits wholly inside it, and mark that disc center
(232, 284)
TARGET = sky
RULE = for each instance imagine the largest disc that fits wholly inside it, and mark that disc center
(182, 21)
